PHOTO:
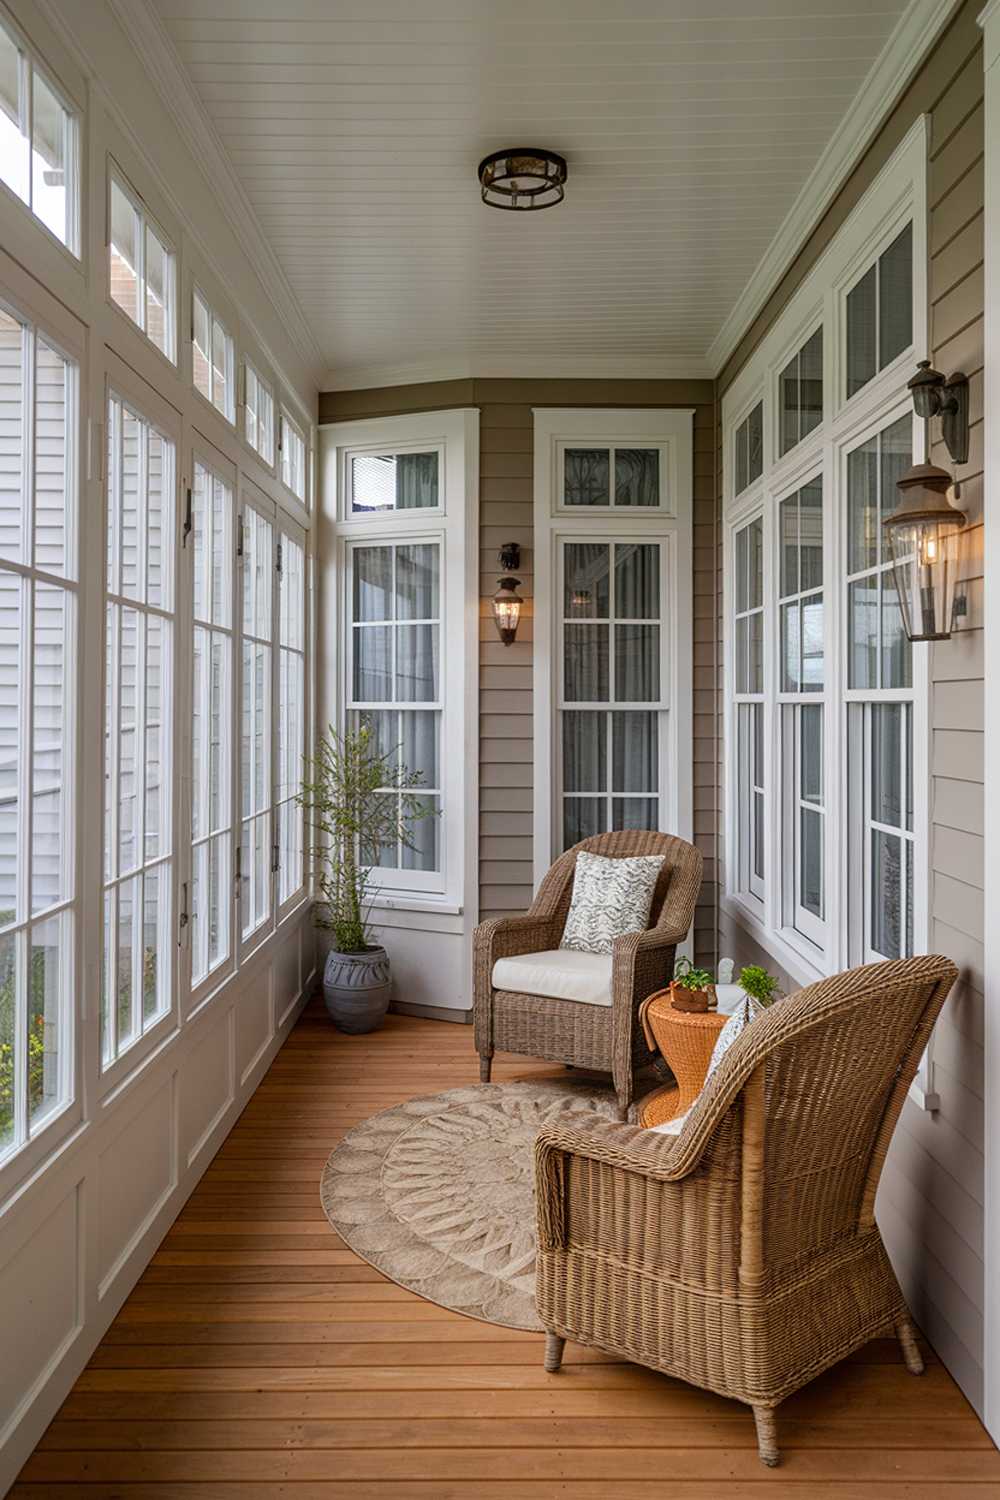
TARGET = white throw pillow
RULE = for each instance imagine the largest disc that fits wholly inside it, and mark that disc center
(610, 897)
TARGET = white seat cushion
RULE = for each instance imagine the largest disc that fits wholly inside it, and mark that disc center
(558, 973)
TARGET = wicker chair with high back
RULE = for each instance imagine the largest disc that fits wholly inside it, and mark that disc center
(593, 1023)
(743, 1254)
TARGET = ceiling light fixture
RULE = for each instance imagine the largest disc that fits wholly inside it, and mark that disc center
(522, 177)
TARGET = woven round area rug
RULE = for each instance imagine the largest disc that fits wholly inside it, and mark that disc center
(438, 1193)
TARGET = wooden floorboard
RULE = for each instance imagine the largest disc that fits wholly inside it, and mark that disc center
(258, 1358)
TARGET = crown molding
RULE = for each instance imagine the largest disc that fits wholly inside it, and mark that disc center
(914, 34)
(592, 367)
(155, 46)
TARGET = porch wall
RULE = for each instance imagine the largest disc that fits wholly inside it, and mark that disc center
(930, 1205)
(506, 710)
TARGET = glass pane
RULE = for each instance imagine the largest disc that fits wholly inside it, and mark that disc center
(756, 670)
(128, 768)
(788, 382)
(635, 812)
(637, 476)
(862, 507)
(861, 332)
(159, 522)
(741, 655)
(637, 663)
(897, 652)
(895, 298)
(886, 763)
(373, 595)
(896, 452)
(758, 835)
(53, 479)
(11, 429)
(741, 570)
(740, 458)
(47, 960)
(130, 500)
(50, 165)
(811, 754)
(159, 294)
(812, 644)
(811, 384)
(124, 269)
(416, 481)
(586, 568)
(635, 752)
(10, 1072)
(221, 361)
(418, 733)
(10, 738)
(291, 596)
(388, 481)
(417, 570)
(155, 955)
(222, 550)
(791, 648)
(386, 857)
(417, 649)
(755, 443)
(383, 731)
(811, 536)
(587, 476)
(424, 836)
(909, 901)
(50, 875)
(125, 981)
(202, 349)
(13, 131)
(886, 894)
(756, 561)
(637, 581)
(220, 678)
(585, 752)
(586, 664)
(788, 532)
(811, 861)
(583, 817)
(862, 631)
(157, 834)
(290, 848)
(199, 731)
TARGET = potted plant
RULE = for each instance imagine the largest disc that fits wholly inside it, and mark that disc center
(691, 989)
(758, 984)
(359, 799)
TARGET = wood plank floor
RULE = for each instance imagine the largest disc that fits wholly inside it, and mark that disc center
(259, 1359)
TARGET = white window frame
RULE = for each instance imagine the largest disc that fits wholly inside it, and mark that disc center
(455, 435)
(897, 196)
(227, 413)
(287, 424)
(671, 430)
(116, 177)
(253, 498)
(32, 63)
(747, 881)
(252, 367)
(288, 531)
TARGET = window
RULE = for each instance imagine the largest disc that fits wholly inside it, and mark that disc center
(612, 706)
(879, 654)
(257, 856)
(612, 478)
(259, 414)
(880, 313)
(213, 747)
(748, 449)
(141, 269)
(213, 359)
(136, 985)
(38, 909)
(396, 679)
(748, 690)
(293, 457)
(291, 714)
(39, 142)
(382, 482)
(881, 771)
(801, 393)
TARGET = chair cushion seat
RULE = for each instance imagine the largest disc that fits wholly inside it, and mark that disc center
(558, 974)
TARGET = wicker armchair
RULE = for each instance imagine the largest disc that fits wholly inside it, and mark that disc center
(743, 1254)
(604, 1037)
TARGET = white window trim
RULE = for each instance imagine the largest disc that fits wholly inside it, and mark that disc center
(72, 247)
(286, 419)
(456, 435)
(898, 194)
(116, 174)
(265, 378)
(671, 430)
(228, 326)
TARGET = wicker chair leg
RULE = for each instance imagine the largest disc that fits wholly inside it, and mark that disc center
(907, 1335)
(554, 1346)
(767, 1435)
(485, 1068)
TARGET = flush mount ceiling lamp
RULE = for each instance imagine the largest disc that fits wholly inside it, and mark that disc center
(522, 178)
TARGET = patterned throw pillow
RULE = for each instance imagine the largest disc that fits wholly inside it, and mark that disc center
(610, 897)
(744, 1015)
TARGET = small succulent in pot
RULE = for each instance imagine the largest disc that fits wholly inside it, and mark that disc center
(692, 989)
(359, 799)
(759, 984)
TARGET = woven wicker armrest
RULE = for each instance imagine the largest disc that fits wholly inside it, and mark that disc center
(503, 937)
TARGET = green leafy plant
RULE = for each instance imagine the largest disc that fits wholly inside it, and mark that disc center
(359, 799)
(687, 977)
(758, 983)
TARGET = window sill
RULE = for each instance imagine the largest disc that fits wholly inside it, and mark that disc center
(406, 902)
(794, 963)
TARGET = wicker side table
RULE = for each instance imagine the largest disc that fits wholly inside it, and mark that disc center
(686, 1041)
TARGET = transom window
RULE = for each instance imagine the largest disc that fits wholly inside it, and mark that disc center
(39, 142)
(880, 312)
(213, 359)
(612, 701)
(258, 414)
(142, 268)
(293, 457)
(38, 666)
(379, 483)
(801, 393)
(138, 761)
(748, 449)
(612, 478)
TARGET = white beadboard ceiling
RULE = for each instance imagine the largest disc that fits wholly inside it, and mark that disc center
(690, 128)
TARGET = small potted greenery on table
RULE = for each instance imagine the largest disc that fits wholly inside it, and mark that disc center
(691, 989)
(758, 984)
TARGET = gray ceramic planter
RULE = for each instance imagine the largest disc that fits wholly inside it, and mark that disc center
(357, 988)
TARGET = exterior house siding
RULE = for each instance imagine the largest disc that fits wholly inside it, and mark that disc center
(930, 1205)
(506, 710)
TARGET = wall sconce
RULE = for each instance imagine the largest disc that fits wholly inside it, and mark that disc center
(923, 532)
(507, 601)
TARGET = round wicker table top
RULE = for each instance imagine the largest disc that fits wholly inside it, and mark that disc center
(686, 1040)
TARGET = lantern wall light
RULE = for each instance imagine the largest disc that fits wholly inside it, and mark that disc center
(923, 534)
(507, 601)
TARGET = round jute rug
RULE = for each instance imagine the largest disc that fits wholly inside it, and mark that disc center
(438, 1193)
